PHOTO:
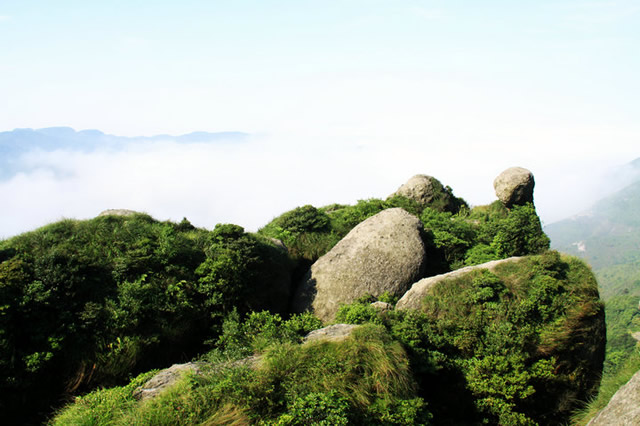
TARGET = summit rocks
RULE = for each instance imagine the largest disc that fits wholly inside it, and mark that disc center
(514, 186)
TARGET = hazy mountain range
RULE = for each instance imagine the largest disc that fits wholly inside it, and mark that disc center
(15, 143)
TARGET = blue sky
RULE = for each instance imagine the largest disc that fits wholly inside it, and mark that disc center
(456, 89)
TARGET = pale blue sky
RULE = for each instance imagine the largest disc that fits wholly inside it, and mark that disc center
(405, 85)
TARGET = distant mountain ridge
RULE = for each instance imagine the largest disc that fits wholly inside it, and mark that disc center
(17, 142)
(606, 235)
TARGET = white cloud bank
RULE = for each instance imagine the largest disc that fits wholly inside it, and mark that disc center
(250, 183)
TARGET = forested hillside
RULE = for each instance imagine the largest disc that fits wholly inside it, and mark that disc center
(608, 238)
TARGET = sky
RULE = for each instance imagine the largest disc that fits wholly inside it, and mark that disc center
(344, 100)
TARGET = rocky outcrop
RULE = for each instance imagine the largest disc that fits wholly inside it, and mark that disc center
(118, 212)
(412, 299)
(514, 186)
(335, 332)
(385, 253)
(164, 380)
(623, 408)
(429, 191)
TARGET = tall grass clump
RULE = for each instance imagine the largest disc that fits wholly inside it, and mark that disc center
(363, 379)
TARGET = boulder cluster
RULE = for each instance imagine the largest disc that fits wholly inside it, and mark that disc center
(386, 252)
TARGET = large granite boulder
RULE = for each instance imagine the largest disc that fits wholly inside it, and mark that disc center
(624, 407)
(429, 191)
(412, 299)
(514, 186)
(384, 253)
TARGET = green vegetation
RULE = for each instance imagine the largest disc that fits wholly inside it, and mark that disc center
(517, 346)
(608, 237)
(453, 239)
(610, 384)
(364, 379)
(87, 303)
(492, 342)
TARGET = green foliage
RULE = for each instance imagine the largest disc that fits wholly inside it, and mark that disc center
(491, 341)
(623, 318)
(316, 408)
(261, 329)
(451, 234)
(364, 379)
(520, 233)
(88, 303)
(611, 383)
(357, 313)
(486, 233)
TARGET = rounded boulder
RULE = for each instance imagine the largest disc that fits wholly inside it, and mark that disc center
(514, 186)
(384, 253)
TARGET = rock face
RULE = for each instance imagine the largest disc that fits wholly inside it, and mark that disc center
(412, 299)
(427, 190)
(514, 186)
(164, 380)
(623, 408)
(385, 253)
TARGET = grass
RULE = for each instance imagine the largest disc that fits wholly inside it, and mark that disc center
(608, 387)
(364, 379)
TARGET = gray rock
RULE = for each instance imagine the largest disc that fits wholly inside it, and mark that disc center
(383, 253)
(382, 306)
(420, 188)
(624, 407)
(164, 380)
(335, 332)
(514, 186)
(412, 299)
(118, 212)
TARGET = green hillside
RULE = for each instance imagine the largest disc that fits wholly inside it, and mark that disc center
(608, 238)
(88, 306)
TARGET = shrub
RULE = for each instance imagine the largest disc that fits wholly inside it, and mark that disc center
(88, 303)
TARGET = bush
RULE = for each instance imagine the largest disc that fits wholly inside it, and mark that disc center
(88, 303)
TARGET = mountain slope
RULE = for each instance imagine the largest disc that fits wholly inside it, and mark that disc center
(608, 237)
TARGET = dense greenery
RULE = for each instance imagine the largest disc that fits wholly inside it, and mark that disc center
(492, 342)
(453, 239)
(608, 237)
(364, 379)
(516, 346)
(611, 383)
(86, 303)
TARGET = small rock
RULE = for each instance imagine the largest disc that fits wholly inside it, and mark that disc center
(427, 190)
(164, 380)
(118, 212)
(382, 306)
(514, 186)
(333, 332)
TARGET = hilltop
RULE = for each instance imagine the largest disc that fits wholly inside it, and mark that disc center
(89, 304)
